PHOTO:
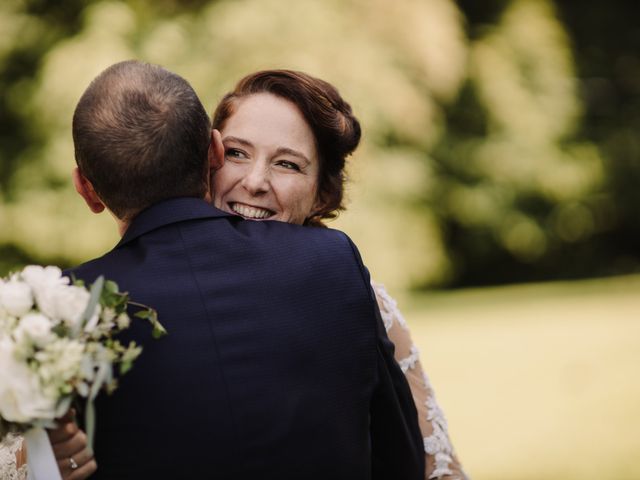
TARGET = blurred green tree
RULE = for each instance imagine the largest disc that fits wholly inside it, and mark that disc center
(537, 170)
(606, 44)
(502, 153)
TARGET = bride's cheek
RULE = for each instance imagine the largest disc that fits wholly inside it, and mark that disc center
(224, 177)
(234, 174)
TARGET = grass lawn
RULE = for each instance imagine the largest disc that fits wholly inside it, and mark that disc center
(537, 381)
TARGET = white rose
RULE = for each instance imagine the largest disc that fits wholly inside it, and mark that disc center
(38, 277)
(35, 327)
(70, 303)
(43, 281)
(21, 398)
(46, 301)
(16, 298)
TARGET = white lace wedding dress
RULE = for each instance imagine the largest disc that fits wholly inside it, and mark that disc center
(9, 453)
(440, 457)
(441, 460)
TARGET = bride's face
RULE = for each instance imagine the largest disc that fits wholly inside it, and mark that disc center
(271, 162)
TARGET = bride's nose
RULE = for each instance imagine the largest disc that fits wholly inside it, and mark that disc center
(256, 180)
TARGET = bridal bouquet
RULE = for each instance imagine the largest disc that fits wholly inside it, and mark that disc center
(56, 344)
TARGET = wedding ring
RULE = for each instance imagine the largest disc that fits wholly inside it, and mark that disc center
(72, 463)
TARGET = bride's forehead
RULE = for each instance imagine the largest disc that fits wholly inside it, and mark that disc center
(266, 115)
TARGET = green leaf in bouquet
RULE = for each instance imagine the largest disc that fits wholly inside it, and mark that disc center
(152, 316)
(113, 298)
(120, 303)
(110, 296)
(111, 287)
(61, 330)
(125, 367)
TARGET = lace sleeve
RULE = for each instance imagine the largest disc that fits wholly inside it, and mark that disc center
(441, 460)
(10, 452)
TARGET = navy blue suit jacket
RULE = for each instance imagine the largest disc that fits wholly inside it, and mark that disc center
(276, 365)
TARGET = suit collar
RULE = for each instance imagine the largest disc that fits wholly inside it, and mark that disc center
(169, 211)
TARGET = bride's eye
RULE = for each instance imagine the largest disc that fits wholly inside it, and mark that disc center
(234, 153)
(288, 165)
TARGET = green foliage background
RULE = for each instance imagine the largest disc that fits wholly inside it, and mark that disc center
(500, 140)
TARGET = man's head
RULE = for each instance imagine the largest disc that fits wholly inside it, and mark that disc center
(141, 136)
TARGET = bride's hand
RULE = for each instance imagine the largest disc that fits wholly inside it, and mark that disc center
(75, 459)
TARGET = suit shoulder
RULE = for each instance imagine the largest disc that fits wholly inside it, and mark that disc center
(328, 235)
(88, 271)
(293, 234)
(332, 247)
(334, 243)
(317, 245)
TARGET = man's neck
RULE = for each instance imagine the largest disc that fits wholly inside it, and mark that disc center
(122, 227)
(122, 224)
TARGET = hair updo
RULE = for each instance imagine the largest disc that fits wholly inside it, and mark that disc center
(335, 128)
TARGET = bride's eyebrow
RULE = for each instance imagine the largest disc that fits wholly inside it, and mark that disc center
(295, 153)
(239, 140)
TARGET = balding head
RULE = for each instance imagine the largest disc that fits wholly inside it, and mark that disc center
(141, 136)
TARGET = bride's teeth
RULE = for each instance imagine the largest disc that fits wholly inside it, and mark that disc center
(250, 212)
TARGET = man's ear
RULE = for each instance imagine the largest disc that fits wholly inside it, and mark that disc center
(86, 191)
(216, 151)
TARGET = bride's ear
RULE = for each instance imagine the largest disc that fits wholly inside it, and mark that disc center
(216, 151)
(319, 205)
(86, 191)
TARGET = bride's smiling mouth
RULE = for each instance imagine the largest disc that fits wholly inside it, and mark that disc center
(249, 212)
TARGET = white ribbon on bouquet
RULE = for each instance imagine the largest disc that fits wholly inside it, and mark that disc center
(42, 463)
